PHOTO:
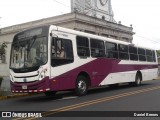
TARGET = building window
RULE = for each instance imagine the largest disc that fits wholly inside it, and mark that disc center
(97, 48)
(82, 46)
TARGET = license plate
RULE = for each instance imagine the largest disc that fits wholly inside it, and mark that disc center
(24, 87)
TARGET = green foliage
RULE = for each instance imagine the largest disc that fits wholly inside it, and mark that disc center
(2, 49)
(158, 53)
(1, 78)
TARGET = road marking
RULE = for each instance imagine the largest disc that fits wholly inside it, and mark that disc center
(67, 98)
(87, 103)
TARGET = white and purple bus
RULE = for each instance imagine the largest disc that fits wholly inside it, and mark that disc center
(50, 59)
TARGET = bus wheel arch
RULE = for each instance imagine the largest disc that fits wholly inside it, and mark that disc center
(82, 83)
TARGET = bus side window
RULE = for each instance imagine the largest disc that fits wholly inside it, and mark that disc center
(154, 56)
(82, 46)
(62, 52)
(141, 54)
(97, 48)
(149, 55)
(57, 48)
(111, 50)
(53, 48)
(60, 49)
(133, 53)
(123, 52)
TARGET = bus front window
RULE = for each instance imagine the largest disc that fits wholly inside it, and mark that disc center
(29, 53)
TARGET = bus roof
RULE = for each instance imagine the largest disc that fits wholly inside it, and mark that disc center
(89, 35)
(71, 31)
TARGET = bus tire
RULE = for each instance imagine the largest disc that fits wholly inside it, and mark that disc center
(81, 86)
(50, 93)
(138, 80)
(114, 85)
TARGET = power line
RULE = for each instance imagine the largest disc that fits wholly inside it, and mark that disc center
(61, 3)
(93, 9)
(148, 39)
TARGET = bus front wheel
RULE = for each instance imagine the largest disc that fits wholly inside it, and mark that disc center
(81, 86)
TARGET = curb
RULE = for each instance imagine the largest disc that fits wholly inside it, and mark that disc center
(158, 78)
(15, 96)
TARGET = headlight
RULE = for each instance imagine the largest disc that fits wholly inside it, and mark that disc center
(42, 74)
(11, 78)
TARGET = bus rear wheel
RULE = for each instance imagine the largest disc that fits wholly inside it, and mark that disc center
(81, 86)
(138, 80)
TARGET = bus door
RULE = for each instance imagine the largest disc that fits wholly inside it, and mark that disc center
(61, 59)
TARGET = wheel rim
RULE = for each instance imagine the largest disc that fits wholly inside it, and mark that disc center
(82, 86)
(138, 80)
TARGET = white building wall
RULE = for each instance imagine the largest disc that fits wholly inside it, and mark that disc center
(4, 67)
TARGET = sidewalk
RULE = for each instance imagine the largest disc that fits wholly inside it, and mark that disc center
(11, 95)
(5, 92)
(158, 78)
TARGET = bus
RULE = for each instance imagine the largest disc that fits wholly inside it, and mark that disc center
(49, 59)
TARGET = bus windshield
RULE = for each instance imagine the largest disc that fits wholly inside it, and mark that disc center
(29, 52)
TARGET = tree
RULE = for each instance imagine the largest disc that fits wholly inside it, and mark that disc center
(3, 51)
(158, 53)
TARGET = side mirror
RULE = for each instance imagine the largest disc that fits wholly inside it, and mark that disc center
(53, 35)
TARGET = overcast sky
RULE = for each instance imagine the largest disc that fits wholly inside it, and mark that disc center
(144, 15)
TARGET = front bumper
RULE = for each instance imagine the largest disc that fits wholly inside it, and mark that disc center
(32, 87)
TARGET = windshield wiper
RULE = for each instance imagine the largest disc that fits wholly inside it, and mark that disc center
(30, 46)
(34, 39)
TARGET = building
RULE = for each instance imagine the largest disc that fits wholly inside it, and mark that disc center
(101, 9)
(76, 21)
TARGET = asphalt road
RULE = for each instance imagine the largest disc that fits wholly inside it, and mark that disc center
(103, 102)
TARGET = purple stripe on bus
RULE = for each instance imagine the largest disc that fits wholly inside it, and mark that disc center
(97, 70)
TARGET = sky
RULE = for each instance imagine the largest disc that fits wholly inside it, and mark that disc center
(144, 15)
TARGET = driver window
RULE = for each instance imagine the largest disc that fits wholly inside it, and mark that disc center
(60, 49)
(62, 52)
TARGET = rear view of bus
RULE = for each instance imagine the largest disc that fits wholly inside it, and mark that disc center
(29, 61)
